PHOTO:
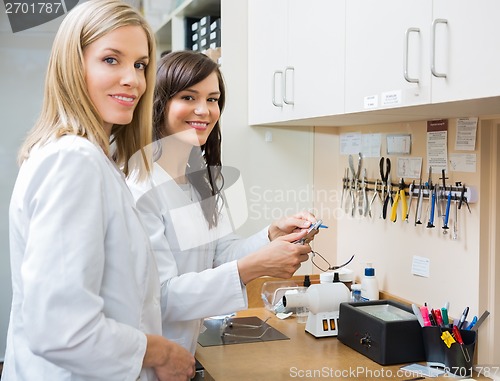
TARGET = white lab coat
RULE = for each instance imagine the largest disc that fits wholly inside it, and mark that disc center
(85, 283)
(198, 267)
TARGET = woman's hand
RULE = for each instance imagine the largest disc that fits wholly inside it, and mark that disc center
(290, 224)
(170, 361)
(280, 258)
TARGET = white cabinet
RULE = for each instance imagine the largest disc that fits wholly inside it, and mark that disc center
(466, 50)
(296, 59)
(446, 49)
(384, 40)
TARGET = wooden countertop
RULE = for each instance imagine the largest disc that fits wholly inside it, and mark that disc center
(294, 359)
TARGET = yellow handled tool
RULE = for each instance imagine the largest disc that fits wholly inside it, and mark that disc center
(400, 194)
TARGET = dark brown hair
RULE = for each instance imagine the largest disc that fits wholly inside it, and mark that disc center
(176, 72)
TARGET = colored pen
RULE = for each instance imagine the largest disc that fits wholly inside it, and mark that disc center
(462, 318)
(425, 315)
(432, 318)
(444, 315)
(323, 226)
(472, 323)
(438, 317)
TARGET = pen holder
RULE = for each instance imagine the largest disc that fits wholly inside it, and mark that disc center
(457, 359)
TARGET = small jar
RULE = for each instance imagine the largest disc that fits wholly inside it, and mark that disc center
(356, 293)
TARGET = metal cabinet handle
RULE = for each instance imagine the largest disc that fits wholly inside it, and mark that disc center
(407, 42)
(292, 70)
(433, 51)
(274, 88)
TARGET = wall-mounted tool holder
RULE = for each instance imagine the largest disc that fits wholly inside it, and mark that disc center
(397, 197)
(356, 197)
(468, 194)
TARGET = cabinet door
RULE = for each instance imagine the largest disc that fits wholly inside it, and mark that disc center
(466, 50)
(267, 47)
(316, 49)
(296, 59)
(387, 40)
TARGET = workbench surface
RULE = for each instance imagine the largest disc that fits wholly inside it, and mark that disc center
(303, 357)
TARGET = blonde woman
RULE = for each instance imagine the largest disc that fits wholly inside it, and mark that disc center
(85, 285)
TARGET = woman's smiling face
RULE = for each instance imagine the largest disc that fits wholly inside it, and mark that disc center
(194, 111)
(115, 73)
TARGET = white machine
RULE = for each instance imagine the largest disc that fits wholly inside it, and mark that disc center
(323, 301)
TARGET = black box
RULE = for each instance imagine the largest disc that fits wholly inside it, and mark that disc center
(385, 331)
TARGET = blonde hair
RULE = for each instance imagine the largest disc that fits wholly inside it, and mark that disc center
(67, 108)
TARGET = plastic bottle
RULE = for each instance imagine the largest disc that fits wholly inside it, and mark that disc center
(356, 293)
(326, 277)
(369, 284)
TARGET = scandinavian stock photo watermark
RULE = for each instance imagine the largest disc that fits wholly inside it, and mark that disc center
(26, 14)
(273, 204)
(352, 373)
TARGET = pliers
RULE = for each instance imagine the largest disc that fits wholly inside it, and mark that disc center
(375, 194)
(355, 179)
(363, 204)
(400, 194)
(386, 191)
(463, 198)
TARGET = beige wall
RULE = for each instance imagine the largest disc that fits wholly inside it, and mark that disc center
(460, 270)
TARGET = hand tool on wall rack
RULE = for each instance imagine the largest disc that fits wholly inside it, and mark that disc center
(429, 188)
(430, 223)
(375, 194)
(438, 200)
(418, 211)
(441, 196)
(400, 195)
(363, 204)
(345, 184)
(447, 213)
(463, 198)
(410, 190)
(355, 176)
(454, 234)
(386, 182)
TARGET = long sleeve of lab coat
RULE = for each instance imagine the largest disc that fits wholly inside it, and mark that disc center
(205, 289)
(83, 285)
(198, 272)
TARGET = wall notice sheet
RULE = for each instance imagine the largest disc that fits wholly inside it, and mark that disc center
(463, 162)
(351, 143)
(437, 144)
(466, 134)
(355, 142)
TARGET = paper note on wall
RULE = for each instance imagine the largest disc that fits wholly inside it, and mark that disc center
(463, 162)
(409, 167)
(466, 134)
(351, 143)
(420, 266)
(437, 144)
(372, 144)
